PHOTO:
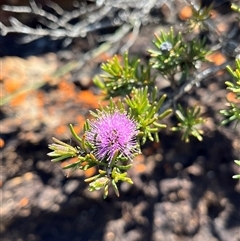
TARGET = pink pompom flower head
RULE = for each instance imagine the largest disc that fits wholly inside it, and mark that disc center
(113, 133)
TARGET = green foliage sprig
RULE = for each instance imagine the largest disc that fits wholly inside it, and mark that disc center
(189, 122)
(176, 55)
(200, 15)
(233, 111)
(61, 150)
(144, 108)
(119, 79)
(232, 114)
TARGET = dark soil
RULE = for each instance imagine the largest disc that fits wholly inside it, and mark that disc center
(181, 191)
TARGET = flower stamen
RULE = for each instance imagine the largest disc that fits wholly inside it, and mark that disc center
(111, 133)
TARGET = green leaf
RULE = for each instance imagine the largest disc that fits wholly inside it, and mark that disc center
(75, 134)
(236, 176)
(72, 165)
(237, 162)
(115, 188)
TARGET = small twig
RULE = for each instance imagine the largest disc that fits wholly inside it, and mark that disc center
(16, 9)
(133, 37)
(90, 18)
(189, 84)
(40, 12)
(24, 90)
(111, 44)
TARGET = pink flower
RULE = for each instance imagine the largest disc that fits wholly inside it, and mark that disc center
(111, 133)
